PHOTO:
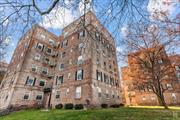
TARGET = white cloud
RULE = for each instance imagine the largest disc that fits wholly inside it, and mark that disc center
(58, 18)
(124, 31)
(155, 7)
(7, 40)
(81, 6)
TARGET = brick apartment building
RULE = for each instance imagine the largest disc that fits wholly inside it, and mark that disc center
(143, 95)
(80, 66)
(3, 69)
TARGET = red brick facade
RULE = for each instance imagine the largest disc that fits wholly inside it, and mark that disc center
(80, 66)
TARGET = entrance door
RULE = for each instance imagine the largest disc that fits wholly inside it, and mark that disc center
(47, 98)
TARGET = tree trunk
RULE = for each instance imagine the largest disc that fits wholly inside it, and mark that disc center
(162, 101)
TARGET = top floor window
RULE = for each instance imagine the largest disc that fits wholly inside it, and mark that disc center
(82, 34)
(51, 42)
(64, 43)
(42, 36)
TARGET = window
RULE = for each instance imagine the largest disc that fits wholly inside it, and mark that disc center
(61, 67)
(26, 96)
(40, 46)
(78, 92)
(178, 75)
(70, 61)
(153, 98)
(34, 68)
(177, 68)
(143, 98)
(57, 94)
(46, 60)
(51, 42)
(97, 36)
(59, 80)
(37, 57)
(169, 86)
(160, 61)
(42, 36)
(105, 78)
(30, 81)
(41, 83)
(98, 75)
(67, 91)
(82, 34)
(107, 94)
(79, 75)
(98, 61)
(80, 60)
(63, 54)
(39, 97)
(99, 92)
(49, 51)
(45, 71)
(104, 64)
(69, 75)
(81, 46)
(64, 43)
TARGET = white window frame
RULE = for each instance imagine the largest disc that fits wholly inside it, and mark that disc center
(26, 93)
(37, 57)
(60, 67)
(33, 66)
(39, 94)
(80, 73)
(30, 78)
(51, 42)
(41, 45)
(78, 92)
(58, 93)
(69, 75)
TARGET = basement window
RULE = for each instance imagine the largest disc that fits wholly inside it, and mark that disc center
(39, 97)
(26, 96)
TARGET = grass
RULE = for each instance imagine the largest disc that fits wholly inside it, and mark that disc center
(124, 113)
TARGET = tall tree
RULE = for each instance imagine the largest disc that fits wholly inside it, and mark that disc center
(146, 47)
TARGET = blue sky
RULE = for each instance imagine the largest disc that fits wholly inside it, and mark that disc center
(66, 16)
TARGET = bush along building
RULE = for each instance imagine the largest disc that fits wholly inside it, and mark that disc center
(136, 75)
(78, 67)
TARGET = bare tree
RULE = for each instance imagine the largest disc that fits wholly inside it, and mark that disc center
(147, 45)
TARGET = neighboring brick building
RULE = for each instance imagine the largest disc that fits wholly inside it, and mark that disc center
(80, 66)
(143, 95)
(3, 69)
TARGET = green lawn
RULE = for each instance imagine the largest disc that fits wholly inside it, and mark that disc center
(124, 113)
